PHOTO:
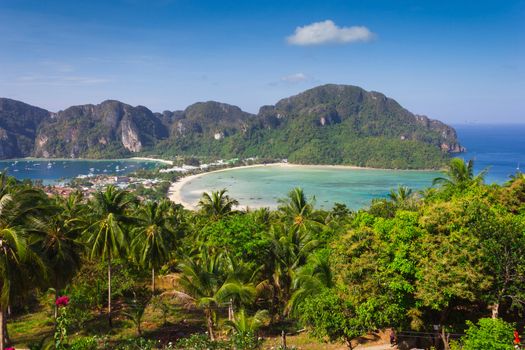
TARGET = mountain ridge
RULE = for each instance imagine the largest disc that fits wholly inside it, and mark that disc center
(329, 124)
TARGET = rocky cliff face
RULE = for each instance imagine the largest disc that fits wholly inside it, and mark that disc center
(95, 130)
(130, 136)
(331, 124)
(18, 125)
(212, 119)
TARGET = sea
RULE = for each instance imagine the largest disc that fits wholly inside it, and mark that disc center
(57, 171)
(498, 148)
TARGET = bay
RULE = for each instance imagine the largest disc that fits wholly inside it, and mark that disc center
(52, 171)
(263, 186)
(498, 148)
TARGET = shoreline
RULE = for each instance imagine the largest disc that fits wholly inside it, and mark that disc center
(150, 159)
(174, 192)
(131, 159)
(175, 189)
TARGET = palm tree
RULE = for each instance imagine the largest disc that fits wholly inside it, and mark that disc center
(290, 248)
(204, 284)
(21, 269)
(460, 174)
(246, 326)
(153, 235)
(310, 280)
(18, 267)
(59, 238)
(107, 235)
(261, 216)
(401, 195)
(300, 212)
(217, 204)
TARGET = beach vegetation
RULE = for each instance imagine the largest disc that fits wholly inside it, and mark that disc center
(441, 267)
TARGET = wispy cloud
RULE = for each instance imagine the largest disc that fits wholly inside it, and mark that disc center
(60, 80)
(295, 78)
(327, 32)
(59, 67)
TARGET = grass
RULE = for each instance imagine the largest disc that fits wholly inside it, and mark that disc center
(33, 327)
(30, 328)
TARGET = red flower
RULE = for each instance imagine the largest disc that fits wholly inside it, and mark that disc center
(62, 301)
(10, 349)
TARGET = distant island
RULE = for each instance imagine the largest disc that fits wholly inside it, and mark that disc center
(329, 124)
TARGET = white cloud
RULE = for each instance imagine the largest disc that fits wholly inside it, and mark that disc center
(295, 78)
(327, 32)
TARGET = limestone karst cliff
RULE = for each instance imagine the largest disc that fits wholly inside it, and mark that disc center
(329, 124)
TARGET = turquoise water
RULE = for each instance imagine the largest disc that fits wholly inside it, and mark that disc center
(263, 186)
(500, 148)
(53, 171)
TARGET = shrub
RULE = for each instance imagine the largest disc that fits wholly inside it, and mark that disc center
(488, 334)
(201, 342)
(85, 343)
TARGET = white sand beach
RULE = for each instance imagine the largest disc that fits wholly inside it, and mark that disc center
(168, 162)
(175, 190)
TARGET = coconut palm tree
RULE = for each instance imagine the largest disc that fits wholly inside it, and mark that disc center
(107, 236)
(298, 211)
(290, 248)
(21, 268)
(19, 265)
(246, 327)
(59, 240)
(153, 235)
(217, 204)
(310, 280)
(401, 195)
(460, 174)
(246, 324)
(205, 283)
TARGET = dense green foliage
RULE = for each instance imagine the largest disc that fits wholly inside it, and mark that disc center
(488, 334)
(428, 263)
(329, 124)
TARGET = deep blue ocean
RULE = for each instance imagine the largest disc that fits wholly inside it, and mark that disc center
(499, 148)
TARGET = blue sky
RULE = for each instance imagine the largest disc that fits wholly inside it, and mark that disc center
(458, 61)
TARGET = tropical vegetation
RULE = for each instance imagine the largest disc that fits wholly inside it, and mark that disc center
(443, 267)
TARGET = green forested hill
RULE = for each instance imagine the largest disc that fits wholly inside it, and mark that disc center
(329, 124)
